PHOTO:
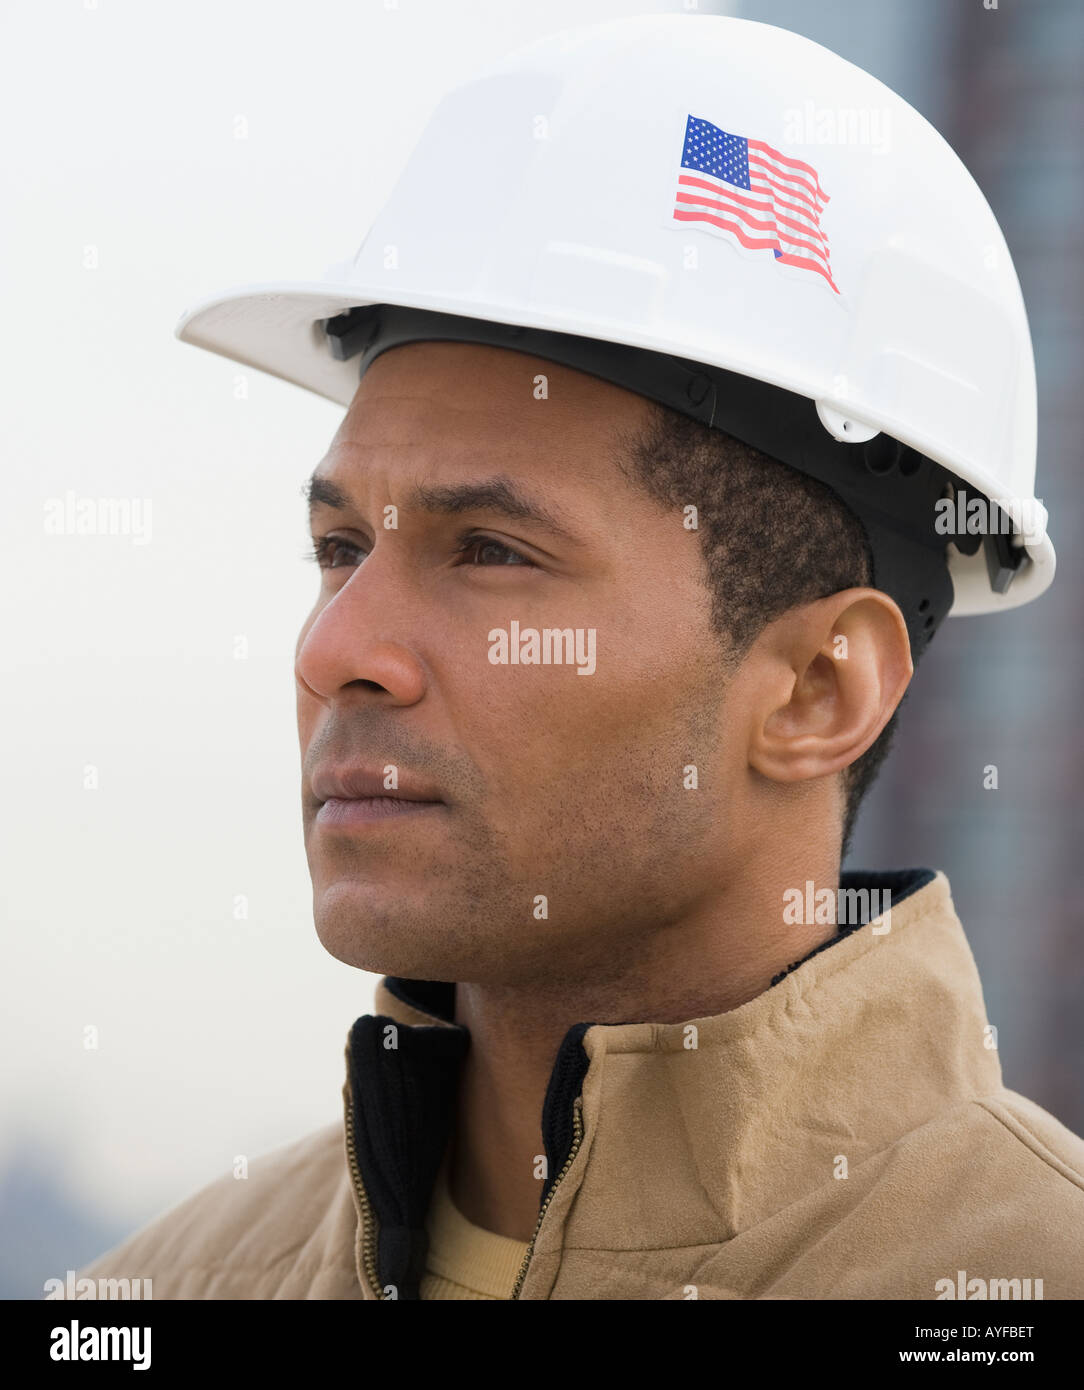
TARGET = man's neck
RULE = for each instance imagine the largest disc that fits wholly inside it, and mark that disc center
(713, 960)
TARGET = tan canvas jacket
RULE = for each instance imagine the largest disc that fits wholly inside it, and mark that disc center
(845, 1134)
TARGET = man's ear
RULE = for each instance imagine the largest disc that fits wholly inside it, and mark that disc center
(828, 677)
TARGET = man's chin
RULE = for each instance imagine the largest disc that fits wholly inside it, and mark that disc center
(455, 933)
(384, 933)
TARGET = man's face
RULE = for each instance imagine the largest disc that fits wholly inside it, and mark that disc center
(543, 818)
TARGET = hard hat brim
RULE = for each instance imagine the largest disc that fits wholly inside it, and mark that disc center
(275, 329)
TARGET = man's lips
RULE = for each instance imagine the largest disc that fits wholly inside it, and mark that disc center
(365, 810)
(353, 796)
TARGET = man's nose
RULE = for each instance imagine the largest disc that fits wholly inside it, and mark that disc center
(356, 644)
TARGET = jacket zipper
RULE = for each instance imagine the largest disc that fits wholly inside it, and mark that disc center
(368, 1220)
(577, 1139)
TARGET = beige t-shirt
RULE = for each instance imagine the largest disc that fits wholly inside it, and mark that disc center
(464, 1260)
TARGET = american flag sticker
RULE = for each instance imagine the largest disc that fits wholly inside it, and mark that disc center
(747, 190)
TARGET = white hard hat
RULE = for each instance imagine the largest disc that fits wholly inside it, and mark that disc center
(733, 220)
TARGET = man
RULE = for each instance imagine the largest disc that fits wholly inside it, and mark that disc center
(608, 645)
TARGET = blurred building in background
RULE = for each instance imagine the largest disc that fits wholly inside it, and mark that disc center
(1003, 86)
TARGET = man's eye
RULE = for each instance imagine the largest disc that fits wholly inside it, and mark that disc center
(483, 550)
(332, 552)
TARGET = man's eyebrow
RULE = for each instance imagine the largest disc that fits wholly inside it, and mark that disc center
(497, 494)
(322, 491)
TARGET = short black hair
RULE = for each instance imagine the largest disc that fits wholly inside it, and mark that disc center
(772, 538)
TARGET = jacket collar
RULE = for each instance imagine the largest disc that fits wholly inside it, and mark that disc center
(693, 1132)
